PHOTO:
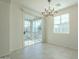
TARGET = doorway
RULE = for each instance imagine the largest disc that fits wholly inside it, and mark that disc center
(32, 31)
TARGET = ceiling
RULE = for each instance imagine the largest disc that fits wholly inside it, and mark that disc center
(40, 5)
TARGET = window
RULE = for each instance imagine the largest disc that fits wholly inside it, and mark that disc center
(61, 24)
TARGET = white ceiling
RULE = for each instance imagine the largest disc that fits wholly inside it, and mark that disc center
(40, 5)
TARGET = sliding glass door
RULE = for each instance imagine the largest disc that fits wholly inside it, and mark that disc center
(37, 31)
(32, 31)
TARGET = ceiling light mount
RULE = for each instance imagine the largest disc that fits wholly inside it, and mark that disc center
(49, 0)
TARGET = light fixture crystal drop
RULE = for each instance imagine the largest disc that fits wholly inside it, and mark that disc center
(49, 11)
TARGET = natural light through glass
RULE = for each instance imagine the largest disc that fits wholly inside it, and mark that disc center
(32, 31)
(61, 23)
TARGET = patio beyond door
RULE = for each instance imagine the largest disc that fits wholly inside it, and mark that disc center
(32, 32)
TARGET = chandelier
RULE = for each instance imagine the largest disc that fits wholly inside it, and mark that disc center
(49, 11)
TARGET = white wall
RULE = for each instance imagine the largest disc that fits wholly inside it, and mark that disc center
(4, 27)
(17, 13)
(11, 27)
(65, 40)
(16, 27)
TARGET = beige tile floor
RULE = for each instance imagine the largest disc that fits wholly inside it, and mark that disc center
(44, 51)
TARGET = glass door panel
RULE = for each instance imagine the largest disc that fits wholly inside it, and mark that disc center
(37, 31)
(27, 31)
(32, 32)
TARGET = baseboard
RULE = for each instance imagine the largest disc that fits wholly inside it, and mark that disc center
(5, 55)
(62, 46)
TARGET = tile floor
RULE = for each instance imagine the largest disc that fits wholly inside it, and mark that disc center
(44, 51)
